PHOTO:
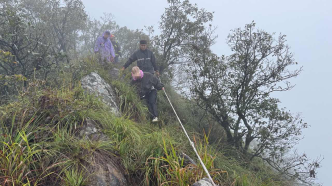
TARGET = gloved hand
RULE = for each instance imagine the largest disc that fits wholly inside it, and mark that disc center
(142, 96)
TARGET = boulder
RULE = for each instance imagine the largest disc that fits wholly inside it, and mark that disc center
(91, 130)
(103, 169)
(94, 84)
(203, 182)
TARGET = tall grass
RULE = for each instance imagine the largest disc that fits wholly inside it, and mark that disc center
(23, 155)
(130, 105)
(40, 142)
(73, 177)
(171, 169)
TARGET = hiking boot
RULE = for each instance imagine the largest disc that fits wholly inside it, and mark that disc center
(155, 119)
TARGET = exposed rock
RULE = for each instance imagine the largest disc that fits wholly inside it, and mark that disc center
(104, 169)
(94, 84)
(91, 130)
(114, 72)
(203, 182)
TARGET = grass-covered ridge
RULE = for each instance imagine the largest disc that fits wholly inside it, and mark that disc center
(40, 142)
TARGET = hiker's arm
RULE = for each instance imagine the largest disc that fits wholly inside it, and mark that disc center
(157, 84)
(131, 59)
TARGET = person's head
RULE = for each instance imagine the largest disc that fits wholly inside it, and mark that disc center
(143, 44)
(136, 73)
(112, 37)
(107, 34)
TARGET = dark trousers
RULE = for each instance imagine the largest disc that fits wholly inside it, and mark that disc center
(116, 59)
(151, 100)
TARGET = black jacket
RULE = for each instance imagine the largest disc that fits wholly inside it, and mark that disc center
(146, 84)
(145, 61)
(117, 48)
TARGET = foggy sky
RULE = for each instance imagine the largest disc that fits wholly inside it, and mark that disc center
(308, 26)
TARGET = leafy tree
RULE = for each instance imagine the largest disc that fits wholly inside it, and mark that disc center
(182, 25)
(9, 84)
(40, 34)
(129, 40)
(23, 40)
(237, 91)
(62, 24)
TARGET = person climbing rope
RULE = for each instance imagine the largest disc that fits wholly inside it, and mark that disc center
(147, 85)
(104, 48)
(117, 48)
(146, 60)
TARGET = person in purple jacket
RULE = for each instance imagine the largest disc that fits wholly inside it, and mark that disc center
(104, 48)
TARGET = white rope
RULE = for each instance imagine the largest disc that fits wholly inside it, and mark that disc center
(191, 143)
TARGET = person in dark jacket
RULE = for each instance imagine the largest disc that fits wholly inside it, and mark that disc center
(117, 49)
(147, 85)
(145, 59)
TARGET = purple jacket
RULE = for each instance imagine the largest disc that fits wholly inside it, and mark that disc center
(104, 47)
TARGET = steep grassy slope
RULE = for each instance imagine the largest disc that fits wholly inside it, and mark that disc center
(40, 143)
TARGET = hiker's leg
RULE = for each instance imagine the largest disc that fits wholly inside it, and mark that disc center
(153, 102)
(149, 106)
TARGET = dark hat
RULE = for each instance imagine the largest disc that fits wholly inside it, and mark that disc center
(143, 42)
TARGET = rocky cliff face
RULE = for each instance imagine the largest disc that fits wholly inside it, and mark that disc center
(94, 84)
(104, 169)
